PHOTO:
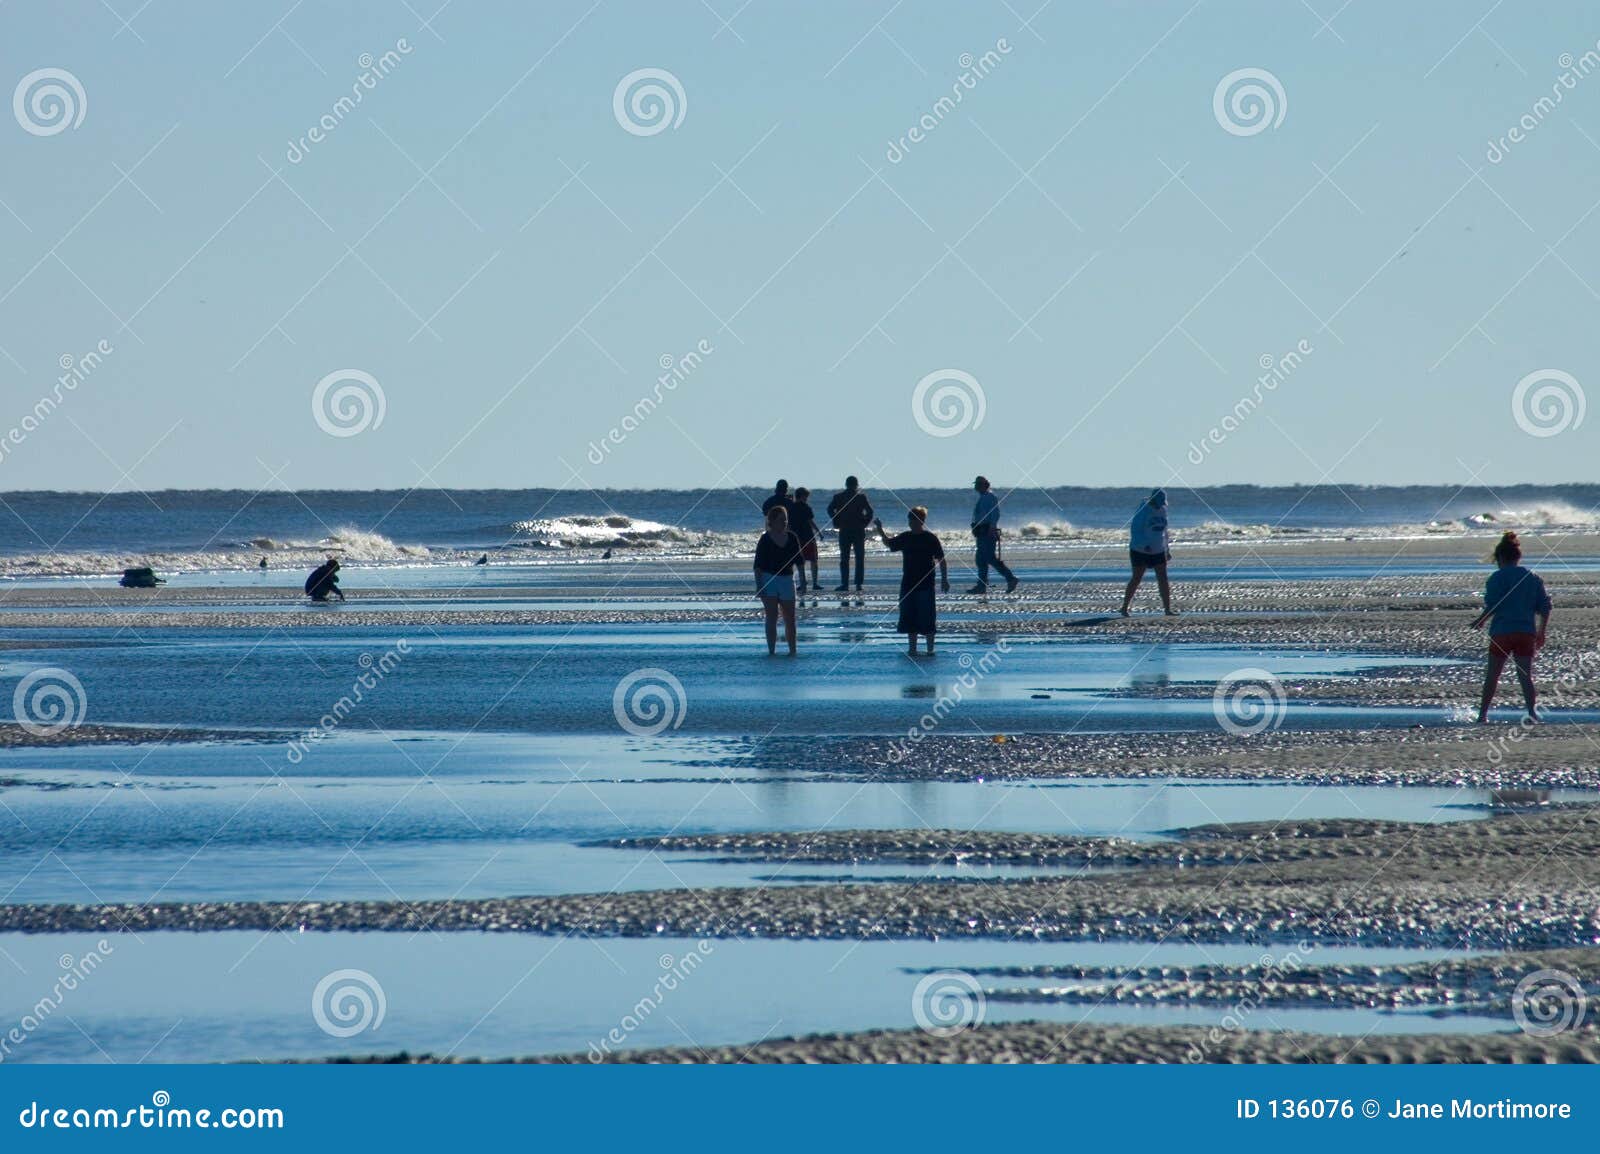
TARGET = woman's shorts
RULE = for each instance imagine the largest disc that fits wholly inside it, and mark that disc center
(808, 551)
(779, 585)
(1138, 557)
(917, 612)
(1514, 645)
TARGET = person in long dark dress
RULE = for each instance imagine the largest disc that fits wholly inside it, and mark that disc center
(920, 551)
(777, 553)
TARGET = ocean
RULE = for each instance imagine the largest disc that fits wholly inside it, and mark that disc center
(56, 534)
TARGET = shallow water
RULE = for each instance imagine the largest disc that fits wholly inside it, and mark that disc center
(494, 816)
(236, 996)
(484, 758)
(852, 676)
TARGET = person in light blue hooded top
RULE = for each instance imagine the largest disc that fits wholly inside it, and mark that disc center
(1149, 547)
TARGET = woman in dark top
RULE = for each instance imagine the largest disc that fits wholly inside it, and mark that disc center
(919, 551)
(777, 553)
(1517, 607)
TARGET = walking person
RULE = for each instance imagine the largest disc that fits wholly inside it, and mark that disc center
(851, 513)
(1149, 547)
(986, 529)
(803, 523)
(919, 551)
(1517, 607)
(777, 553)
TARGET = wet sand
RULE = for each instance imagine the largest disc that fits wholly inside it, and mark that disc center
(1017, 1042)
(1524, 882)
(1511, 882)
(14, 736)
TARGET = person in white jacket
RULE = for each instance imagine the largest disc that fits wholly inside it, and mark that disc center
(1149, 547)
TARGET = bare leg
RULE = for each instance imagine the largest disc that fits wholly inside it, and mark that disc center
(1530, 696)
(1133, 587)
(770, 604)
(1491, 679)
(788, 625)
(911, 640)
(1165, 587)
(930, 645)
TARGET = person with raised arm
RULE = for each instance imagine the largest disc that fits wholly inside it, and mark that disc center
(919, 552)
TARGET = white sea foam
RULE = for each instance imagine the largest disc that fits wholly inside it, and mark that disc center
(613, 531)
(584, 538)
(1543, 515)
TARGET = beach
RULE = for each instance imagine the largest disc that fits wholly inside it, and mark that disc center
(1393, 871)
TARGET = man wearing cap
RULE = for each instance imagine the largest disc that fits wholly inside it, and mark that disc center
(1149, 547)
(986, 529)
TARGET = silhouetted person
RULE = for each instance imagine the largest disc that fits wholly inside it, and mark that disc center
(851, 513)
(263, 563)
(1517, 606)
(919, 551)
(483, 560)
(777, 553)
(803, 523)
(780, 496)
(1149, 547)
(986, 530)
(324, 581)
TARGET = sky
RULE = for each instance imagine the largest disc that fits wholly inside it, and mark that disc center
(473, 276)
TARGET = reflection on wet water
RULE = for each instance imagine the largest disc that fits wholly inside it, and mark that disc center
(508, 994)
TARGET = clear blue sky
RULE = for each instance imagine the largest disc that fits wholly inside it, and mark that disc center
(757, 225)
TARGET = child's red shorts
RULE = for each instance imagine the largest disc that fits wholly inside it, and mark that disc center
(1514, 645)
